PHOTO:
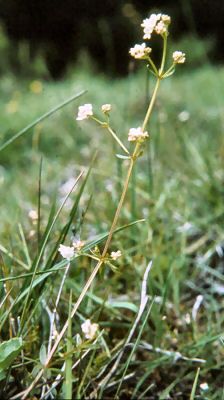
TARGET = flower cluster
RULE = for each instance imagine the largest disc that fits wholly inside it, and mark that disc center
(156, 22)
(115, 254)
(178, 57)
(66, 251)
(106, 108)
(136, 134)
(89, 329)
(78, 244)
(69, 251)
(140, 51)
(85, 112)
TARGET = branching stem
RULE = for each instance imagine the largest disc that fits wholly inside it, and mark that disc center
(101, 261)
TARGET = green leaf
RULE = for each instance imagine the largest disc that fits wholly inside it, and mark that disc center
(43, 354)
(169, 73)
(195, 385)
(9, 351)
(122, 157)
(2, 374)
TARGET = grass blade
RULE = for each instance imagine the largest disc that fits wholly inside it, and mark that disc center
(53, 256)
(46, 115)
(43, 247)
(195, 384)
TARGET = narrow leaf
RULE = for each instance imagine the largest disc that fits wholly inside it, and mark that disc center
(47, 114)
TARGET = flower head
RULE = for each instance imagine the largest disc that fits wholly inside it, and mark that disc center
(137, 134)
(166, 19)
(140, 51)
(84, 112)
(33, 214)
(106, 108)
(89, 329)
(160, 28)
(115, 254)
(183, 115)
(149, 24)
(156, 22)
(178, 57)
(78, 244)
(66, 251)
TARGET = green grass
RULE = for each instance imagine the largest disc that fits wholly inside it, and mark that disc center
(177, 187)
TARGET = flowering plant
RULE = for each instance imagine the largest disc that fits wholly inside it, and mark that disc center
(158, 24)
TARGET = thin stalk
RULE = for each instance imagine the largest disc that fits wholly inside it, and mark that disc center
(107, 126)
(101, 261)
(26, 251)
(117, 139)
(68, 363)
(151, 104)
(163, 56)
(56, 306)
(153, 66)
(169, 70)
(39, 203)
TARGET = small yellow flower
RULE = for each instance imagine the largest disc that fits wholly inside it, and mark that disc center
(36, 87)
(89, 329)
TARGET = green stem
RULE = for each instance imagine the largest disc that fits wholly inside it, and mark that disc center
(169, 69)
(153, 66)
(117, 139)
(107, 126)
(164, 55)
(151, 104)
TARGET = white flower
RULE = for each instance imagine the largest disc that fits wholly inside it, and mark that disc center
(78, 244)
(84, 112)
(106, 108)
(140, 51)
(178, 57)
(183, 116)
(149, 24)
(160, 28)
(204, 386)
(157, 23)
(115, 254)
(137, 134)
(89, 329)
(166, 19)
(66, 251)
(33, 214)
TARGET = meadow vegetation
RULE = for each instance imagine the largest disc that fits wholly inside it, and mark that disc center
(172, 216)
